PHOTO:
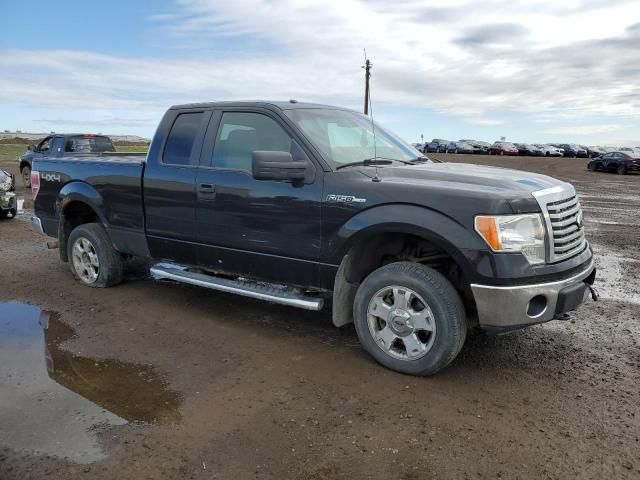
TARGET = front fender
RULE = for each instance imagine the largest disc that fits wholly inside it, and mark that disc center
(446, 233)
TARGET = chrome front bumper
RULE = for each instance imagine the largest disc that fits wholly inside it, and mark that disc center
(506, 308)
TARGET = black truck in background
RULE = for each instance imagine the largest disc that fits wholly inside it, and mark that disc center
(304, 204)
(62, 144)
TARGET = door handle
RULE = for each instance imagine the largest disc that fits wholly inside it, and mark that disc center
(206, 191)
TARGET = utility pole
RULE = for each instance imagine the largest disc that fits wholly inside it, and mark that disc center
(367, 75)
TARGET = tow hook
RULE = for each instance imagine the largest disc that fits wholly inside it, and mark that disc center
(594, 293)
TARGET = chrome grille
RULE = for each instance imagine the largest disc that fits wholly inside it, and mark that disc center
(563, 217)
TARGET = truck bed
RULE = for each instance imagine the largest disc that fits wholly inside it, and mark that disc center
(114, 181)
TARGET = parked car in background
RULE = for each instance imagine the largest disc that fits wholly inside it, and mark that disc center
(460, 147)
(478, 146)
(62, 144)
(594, 151)
(549, 150)
(529, 150)
(483, 147)
(619, 162)
(503, 148)
(573, 150)
(418, 146)
(8, 201)
(437, 145)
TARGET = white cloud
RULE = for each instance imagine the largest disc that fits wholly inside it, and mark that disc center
(583, 129)
(484, 121)
(464, 57)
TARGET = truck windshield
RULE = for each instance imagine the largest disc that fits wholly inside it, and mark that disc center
(345, 137)
(89, 144)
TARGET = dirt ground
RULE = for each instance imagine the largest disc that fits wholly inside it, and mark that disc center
(153, 380)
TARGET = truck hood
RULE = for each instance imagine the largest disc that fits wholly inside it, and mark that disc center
(503, 182)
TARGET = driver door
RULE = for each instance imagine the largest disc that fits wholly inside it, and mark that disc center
(265, 229)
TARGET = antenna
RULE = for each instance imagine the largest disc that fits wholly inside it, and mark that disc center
(369, 108)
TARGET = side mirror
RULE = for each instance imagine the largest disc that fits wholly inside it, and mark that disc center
(276, 166)
(31, 148)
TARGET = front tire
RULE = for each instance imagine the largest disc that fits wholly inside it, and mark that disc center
(26, 176)
(92, 258)
(621, 170)
(410, 318)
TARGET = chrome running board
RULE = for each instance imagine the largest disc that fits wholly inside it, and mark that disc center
(262, 291)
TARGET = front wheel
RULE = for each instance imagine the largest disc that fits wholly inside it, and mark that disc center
(621, 170)
(410, 318)
(26, 176)
(92, 258)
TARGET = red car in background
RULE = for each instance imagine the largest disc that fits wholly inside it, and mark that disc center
(503, 148)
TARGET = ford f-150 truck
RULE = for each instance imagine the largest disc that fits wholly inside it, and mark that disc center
(306, 205)
(58, 145)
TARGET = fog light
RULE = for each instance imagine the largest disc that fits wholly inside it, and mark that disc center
(537, 306)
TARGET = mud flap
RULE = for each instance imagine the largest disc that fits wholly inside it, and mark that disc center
(344, 294)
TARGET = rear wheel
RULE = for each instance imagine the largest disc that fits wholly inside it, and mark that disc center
(410, 318)
(592, 166)
(501, 152)
(92, 258)
(621, 170)
(26, 176)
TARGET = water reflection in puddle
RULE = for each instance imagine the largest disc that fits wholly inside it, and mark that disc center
(54, 402)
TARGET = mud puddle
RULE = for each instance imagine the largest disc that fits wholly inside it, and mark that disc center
(54, 402)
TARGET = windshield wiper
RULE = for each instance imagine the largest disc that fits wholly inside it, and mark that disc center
(374, 161)
(365, 162)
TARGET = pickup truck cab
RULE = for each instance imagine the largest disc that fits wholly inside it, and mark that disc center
(304, 205)
(58, 145)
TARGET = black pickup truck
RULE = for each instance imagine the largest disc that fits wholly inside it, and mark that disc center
(304, 204)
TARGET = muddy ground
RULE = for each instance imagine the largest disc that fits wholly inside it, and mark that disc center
(153, 380)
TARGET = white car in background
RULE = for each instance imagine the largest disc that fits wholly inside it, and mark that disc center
(550, 150)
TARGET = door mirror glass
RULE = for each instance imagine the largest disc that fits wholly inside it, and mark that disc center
(276, 165)
(31, 148)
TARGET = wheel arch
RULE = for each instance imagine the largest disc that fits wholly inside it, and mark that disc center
(368, 241)
(78, 203)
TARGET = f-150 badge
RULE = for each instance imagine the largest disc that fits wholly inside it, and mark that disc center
(345, 199)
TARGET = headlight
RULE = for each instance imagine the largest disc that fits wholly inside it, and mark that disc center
(514, 233)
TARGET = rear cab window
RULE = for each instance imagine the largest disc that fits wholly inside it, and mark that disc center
(179, 148)
(89, 144)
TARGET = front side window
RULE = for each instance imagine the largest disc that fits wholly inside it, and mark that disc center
(242, 133)
(181, 139)
(44, 145)
(344, 137)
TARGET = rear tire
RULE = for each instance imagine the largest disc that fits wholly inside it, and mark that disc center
(592, 167)
(26, 176)
(92, 258)
(621, 170)
(409, 318)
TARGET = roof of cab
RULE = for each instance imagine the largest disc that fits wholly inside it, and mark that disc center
(282, 105)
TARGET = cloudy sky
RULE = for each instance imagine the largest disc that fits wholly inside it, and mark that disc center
(536, 70)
